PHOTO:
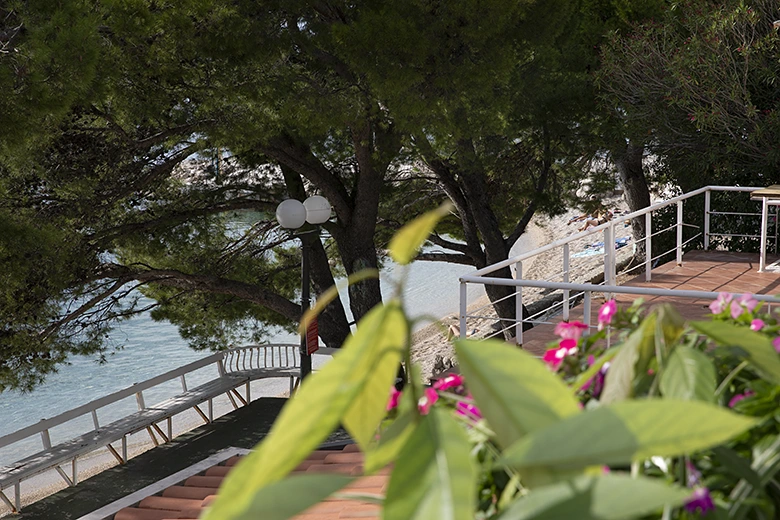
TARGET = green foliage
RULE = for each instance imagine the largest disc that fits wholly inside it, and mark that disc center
(284, 499)
(435, 475)
(407, 242)
(688, 375)
(698, 86)
(620, 433)
(517, 396)
(607, 497)
(346, 389)
(507, 439)
(751, 346)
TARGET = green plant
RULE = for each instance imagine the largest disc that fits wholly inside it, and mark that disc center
(515, 437)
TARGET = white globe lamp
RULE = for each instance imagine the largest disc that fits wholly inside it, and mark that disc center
(291, 214)
(317, 209)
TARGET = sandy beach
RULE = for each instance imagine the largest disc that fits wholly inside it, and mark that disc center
(431, 348)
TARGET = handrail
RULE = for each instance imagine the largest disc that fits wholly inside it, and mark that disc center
(619, 289)
(609, 260)
(235, 367)
(601, 227)
(46, 424)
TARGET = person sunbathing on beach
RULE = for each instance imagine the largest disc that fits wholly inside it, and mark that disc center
(600, 216)
(454, 332)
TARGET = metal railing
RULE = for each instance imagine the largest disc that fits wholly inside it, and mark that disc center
(606, 264)
(254, 362)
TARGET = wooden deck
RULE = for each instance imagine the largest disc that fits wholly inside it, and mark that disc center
(715, 271)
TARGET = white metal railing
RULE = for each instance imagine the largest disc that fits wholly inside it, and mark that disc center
(251, 362)
(607, 263)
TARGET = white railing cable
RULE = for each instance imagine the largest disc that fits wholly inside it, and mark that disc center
(608, 260)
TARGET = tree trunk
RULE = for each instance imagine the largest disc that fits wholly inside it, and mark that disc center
(472, 179)
(628, 163)
(367, 294)
(333, 323)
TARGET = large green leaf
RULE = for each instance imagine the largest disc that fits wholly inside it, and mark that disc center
(370, 405)
(634, 354)
(607, 497)
(286, 498)
(404, 244)
(626, 431)
(756, 348)
(434, 476)
(309, 417)
(393, 439)
(515, 392)
(689, 375)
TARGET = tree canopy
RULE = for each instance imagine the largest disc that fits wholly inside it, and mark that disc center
(385, 108)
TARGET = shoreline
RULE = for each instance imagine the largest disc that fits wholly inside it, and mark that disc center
(430, 349)
(434, 352)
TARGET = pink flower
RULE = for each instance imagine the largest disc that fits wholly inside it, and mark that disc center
(468, 410)
(700, 502)
(606, 313)
(427, 400)
(776, 344)
(737, 398)
(720, 303)
(554, 356)
(757, 324)
(451, 381)
(736, 309)
(395, 396)
(571, 330)
(748, 301)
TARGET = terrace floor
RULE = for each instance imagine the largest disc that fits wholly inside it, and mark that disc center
(714, 271)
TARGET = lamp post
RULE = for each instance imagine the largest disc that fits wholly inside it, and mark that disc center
(292, 214)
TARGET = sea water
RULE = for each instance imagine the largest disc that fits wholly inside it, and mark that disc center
(150, 348)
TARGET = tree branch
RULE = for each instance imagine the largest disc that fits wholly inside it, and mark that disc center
(445, 257)
(212, 284)
(449, 244)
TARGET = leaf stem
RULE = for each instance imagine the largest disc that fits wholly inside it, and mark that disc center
(729, 378)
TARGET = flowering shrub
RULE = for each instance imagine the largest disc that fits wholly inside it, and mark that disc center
(648, 417)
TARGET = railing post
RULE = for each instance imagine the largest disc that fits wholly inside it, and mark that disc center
(139, 398)
(707, 219)
(586, 311)
(566, 292)
(95, 419)
(612, 256)
(608, 238)
(46, 439)
(648, 246)
(762, 244)
(463, 309)
(519, 305)
(679, 231)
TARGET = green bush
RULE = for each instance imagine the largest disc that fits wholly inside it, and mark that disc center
(650, 417)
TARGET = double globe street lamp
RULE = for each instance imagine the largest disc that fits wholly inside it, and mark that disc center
(293, 214)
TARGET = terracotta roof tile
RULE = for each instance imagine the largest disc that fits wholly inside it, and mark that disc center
(188, 499)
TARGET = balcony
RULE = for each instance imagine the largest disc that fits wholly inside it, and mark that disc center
(690, 239)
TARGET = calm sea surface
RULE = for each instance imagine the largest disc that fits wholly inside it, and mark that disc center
(152, 348)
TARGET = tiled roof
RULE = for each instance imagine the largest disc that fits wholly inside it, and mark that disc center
(188, 499)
